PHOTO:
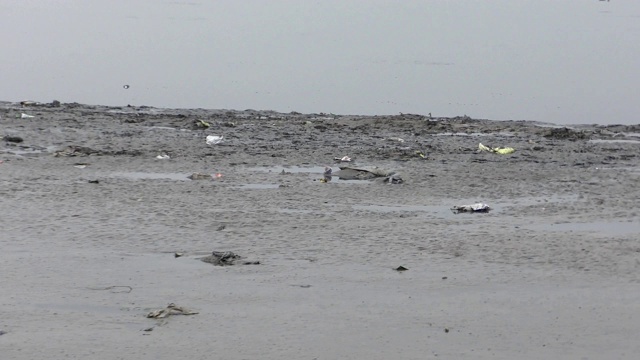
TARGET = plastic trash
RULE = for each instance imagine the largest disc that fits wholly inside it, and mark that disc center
(202, 124)
(342, 159)
(214, 139)
(400, 140)
(163, 157)
(477, 207)
(497, 150)
(25, 116)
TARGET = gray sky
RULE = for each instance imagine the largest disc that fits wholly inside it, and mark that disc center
(569, 61)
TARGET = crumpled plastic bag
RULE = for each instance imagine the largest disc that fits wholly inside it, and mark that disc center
(497, 150)
(477, 207)
(214, 139)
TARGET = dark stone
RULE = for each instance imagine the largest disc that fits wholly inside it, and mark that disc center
(14, 139)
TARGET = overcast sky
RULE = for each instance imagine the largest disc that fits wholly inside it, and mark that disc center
(568, 61)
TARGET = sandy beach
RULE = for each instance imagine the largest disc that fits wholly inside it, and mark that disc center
(92, 220)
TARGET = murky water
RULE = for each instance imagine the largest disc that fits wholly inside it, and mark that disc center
(601, 227)
(563, 61)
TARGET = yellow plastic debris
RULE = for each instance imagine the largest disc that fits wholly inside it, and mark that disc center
(504, 151)
(497, 150)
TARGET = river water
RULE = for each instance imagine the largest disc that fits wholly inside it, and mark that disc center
(564, 62)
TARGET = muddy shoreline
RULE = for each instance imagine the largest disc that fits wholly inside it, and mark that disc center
(551, 271)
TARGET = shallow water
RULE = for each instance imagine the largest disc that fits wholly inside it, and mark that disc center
(599, 227)
(137, 175)
(495, 59)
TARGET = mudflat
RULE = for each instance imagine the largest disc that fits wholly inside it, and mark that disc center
(104, 221)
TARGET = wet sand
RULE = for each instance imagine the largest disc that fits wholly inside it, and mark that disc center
(89, 236)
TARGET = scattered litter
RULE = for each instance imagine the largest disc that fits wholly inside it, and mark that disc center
(177, 255)
(401, 268)
(478, 207)
(497, 150)
(13, 139)
(226, 258)
(342, 159)
(163, 157)
(29, 103)
(171, 309)
(396, 139)
(200, 176)
(148, 329)
(214, 139)
(202, 124)
(216, 176)
(80, 166)
(25, 116)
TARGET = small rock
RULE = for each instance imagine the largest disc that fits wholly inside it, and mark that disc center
(13, 139)
(94, 181)
(444, 278)
(401, 268)
(177, 255)
(199, 176)
(446, 330)
(221, 227)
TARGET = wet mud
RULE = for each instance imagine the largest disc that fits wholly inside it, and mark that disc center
(95, 197)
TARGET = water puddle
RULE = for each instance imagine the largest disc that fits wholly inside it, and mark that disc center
(442, 209)
(398, 208)
(614, 141)
(602, 227)
(291, 169)
(476, 134)
(22, 151)
(258, 186)
(151, 176)
(315, 172)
